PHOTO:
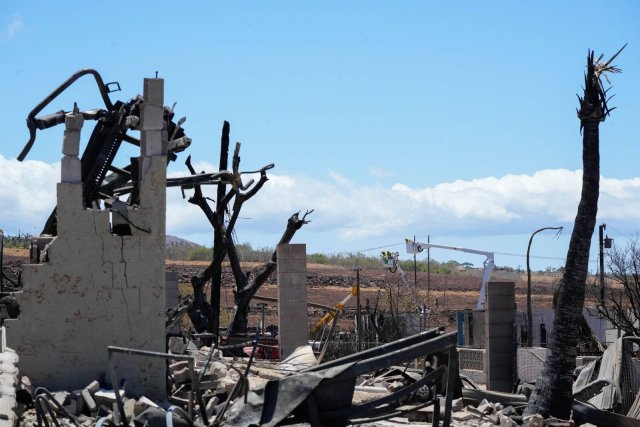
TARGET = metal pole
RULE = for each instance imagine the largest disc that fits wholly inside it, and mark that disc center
(415, 265)
(529, 309)
(262, 326)
(358, 329)
(601, 229)
(445, 291)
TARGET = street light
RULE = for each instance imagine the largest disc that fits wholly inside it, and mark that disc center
(529, 311)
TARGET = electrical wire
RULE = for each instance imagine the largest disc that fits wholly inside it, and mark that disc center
(377, 247)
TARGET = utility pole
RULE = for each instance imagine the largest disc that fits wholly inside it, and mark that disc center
(358, 320)
(601, 229)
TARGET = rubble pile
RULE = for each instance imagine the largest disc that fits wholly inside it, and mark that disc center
(11, 268)
(217, 378)
(489, 414)
(205, 387)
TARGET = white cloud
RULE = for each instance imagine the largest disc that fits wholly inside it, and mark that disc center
(27, 193)
(346, 211)
(379, 172)
(13, 27)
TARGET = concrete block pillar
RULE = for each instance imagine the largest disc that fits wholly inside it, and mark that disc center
(171, 289)
(500, 316)
(153, 140)
(71, 171)
(292, 297)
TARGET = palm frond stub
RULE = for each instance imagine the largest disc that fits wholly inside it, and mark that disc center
(594, 102)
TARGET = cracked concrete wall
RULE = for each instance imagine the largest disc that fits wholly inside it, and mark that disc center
(98, 289)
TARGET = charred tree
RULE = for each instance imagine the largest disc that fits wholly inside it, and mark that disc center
(619, 302)
(223, 218)
(248, 284)
(218, 241)
(553, 393)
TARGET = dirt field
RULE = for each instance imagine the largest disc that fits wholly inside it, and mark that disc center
(328, 285)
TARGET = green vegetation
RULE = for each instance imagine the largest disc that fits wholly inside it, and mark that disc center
(374, 262)
(185, 252)
(345, 260)
(21, 241)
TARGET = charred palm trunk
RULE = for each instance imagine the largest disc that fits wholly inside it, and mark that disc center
(553, 393)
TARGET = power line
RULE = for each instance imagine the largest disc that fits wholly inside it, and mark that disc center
(620, 233)
(380, 247)
(530, 256)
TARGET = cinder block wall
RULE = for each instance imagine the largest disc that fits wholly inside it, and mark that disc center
(292, 297)
(499, 316)
(99, 289)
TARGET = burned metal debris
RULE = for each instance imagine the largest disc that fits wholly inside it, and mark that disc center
(208, 389)
(103, 181)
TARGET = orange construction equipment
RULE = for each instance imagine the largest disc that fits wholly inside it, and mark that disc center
(332, 312)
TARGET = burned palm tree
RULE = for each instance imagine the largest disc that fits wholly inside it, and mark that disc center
(553, 393)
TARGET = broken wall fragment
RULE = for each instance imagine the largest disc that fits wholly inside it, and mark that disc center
(98, 288)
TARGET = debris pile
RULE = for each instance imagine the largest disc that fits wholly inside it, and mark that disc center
(487, 413)
(205, 387)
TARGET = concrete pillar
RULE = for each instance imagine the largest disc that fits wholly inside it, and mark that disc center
(292, 297)
(171, 289)
(70, 170)
(153, 140)
(500, 314)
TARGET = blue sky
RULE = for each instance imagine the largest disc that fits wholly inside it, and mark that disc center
(453, 119)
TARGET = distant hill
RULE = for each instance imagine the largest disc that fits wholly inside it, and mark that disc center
(175, 241)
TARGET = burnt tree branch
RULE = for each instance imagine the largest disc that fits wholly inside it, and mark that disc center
(248, 286)
(228, 204)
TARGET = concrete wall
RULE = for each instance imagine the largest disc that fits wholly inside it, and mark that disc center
(171, 282)
(500, 310)
(8, 382)
(292, 297)
(96, 288)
